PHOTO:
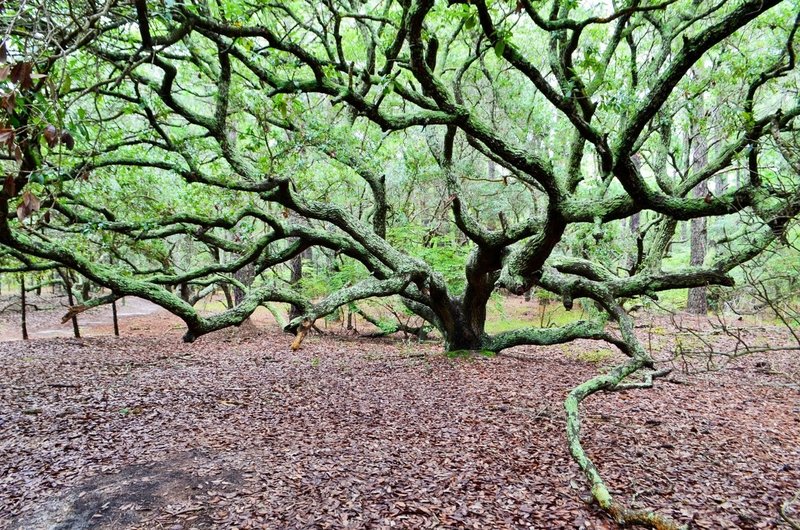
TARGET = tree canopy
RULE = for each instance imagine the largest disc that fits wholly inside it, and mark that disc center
(428, 152)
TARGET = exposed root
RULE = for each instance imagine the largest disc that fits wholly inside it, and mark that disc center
(646, 383)
(627, 517)
(619, 512)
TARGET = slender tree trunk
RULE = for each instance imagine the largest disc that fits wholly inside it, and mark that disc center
(114, 318)
(86, 288)
(76, 330)
(185, 292)
(633, 224)
(226, 290)
(24, 307)
(720, 184)
(58, 287)
(71, 299)
(697, 301)
(297, 275)
(228, 298)
(635, 219)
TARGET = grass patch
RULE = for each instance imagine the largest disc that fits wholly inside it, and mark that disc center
(469, 354)
(593, 356)
(553, 316)
(672, 299)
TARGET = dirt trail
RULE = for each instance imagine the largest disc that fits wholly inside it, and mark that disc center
(46, 323)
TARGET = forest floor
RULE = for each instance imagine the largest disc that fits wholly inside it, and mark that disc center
(144, 431)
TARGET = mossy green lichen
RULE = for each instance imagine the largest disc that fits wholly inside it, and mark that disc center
(469, 354)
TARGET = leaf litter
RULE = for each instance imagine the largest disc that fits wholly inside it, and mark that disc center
(236, 431)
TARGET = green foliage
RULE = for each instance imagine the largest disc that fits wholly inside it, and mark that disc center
(342, 273)
(470, 354)
(442, 252)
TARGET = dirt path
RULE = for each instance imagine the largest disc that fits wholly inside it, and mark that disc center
(46, 323)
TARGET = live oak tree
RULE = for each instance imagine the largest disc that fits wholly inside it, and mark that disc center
(433, 152)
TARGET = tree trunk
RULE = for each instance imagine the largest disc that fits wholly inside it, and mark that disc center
(24, 306)
(463, 321)
(297, 274)
(464, 335)
(464, 318)
(71, 299)
(185, 292)
(245, 275)
(697, 302)
(86, 288)
(58, 286)
(228, 298)
(114, 318)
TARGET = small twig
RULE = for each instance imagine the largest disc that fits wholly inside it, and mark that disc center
(185, 510)
(678, 381)
(646, 383)
(782, 510)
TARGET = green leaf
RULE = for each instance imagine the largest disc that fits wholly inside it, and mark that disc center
(471, 22)
(66, 85)
(499, 47)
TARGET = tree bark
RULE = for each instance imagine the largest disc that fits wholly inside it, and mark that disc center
(114, 318)
(228, 297)
(464, 335)
(297, 274)
(71, 299)
(245, 275)
(464, 321)
(697, 301)
(86, 288)
(24, 307)
(185, 292)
